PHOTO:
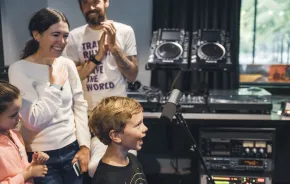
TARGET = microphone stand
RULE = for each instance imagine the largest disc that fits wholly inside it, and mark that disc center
(182, 121)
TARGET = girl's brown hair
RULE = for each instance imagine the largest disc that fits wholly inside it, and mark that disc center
(8, 93)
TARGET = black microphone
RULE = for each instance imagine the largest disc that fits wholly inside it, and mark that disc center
(169, 108)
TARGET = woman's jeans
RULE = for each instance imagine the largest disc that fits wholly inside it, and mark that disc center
(59, 164)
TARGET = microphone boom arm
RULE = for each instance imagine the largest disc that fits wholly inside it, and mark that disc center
(182, 121)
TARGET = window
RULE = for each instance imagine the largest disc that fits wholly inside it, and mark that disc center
(265, 42)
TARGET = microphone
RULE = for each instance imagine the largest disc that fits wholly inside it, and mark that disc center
(169, 108)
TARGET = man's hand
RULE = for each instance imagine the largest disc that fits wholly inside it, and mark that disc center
(110, 30)
(83, 155)
(102, 50)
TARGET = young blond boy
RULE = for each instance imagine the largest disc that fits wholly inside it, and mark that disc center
(118, 123)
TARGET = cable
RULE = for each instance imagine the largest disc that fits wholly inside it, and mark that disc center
(203, 90)
(174, 81)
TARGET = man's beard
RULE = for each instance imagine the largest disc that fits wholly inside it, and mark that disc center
(94, 20)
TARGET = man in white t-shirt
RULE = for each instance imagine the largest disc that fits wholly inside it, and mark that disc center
(104, 52)
(106, 57)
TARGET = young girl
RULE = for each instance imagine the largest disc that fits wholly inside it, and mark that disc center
(14, 165)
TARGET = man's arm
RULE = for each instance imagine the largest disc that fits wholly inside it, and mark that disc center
(128, 65)
(126, 59)
(85, 69)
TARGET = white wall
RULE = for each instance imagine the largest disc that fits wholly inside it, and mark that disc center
(134, 13)
(71, 9)
(15, 18)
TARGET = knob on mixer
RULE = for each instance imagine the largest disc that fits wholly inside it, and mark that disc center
(254, 150)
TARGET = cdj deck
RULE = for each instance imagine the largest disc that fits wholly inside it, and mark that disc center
(243, 100)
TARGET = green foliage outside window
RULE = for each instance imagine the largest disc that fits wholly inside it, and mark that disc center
(272, 40)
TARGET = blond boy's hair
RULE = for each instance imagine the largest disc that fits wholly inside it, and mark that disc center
(112, 113)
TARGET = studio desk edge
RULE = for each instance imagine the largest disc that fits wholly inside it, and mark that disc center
(227, 119)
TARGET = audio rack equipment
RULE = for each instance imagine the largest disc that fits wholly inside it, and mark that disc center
(238, 155)
(237, 179)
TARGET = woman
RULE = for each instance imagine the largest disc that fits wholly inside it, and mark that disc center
(54, 111)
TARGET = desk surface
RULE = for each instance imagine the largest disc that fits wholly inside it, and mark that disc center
(214, 116)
